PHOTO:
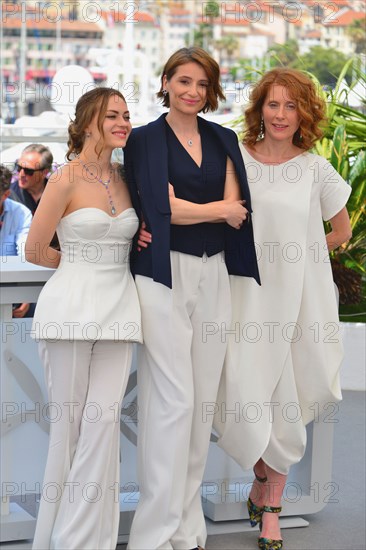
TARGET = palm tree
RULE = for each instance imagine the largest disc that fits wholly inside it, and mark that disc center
(229, 44)
(203, 36)
(356, 30)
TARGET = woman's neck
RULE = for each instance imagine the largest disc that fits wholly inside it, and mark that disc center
(276, 151)
(88, 155)
(182, 123)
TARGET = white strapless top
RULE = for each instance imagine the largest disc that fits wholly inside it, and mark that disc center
(92, 294)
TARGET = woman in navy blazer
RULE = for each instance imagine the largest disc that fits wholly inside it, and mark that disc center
(188, 184)
(146, 165)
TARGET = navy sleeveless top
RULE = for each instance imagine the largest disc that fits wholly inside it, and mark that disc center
(198, 184)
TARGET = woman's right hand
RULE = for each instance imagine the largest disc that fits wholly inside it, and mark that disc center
(235, 213)
(144, 238)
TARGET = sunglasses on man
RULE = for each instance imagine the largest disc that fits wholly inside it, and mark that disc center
(27, 171)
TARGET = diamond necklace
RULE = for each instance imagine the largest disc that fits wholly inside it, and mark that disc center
(189, 141)
(104, 183)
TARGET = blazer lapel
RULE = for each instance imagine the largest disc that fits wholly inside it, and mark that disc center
(157, 160)
(233, 151)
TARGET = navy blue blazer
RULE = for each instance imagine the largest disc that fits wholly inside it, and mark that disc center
(146, 169)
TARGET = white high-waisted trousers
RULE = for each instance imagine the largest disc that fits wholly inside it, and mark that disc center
(80, 497)
(179, 368)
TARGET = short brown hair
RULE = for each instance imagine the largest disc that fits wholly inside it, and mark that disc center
(86, 109)
(209, 65)
(310, 106)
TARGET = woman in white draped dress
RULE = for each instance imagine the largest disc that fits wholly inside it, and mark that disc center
(282, 363)
(86, 319)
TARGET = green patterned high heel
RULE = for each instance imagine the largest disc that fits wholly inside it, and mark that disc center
(263, 542)
(255, 512)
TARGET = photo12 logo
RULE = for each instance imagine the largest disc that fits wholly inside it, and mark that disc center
(70, 10)
(268, 11)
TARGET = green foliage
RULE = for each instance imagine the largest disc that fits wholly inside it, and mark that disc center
(357, 31)
(353, 254)
(338, 154)
(212, 9)
(284, 54)
(203, 35)
(228, 43)
(353, 313)
(325, 64)
(248, 69)
(344, 145)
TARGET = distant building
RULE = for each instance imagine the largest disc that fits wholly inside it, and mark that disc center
(325, 23)
(51, 41)
(67, 32)
(145, 32)
(179, 24)
(334, 32)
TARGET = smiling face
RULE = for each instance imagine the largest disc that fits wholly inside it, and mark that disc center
(187, 88)
(280, 116)
(116, 125)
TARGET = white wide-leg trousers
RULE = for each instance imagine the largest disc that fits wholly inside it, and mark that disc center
(80, 498)
(179, 368)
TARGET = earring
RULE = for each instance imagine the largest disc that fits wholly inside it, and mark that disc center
(88, 134)
(261, 131)
(165, 93)
(298, 135)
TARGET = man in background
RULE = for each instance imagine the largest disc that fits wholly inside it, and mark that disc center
(15, 220)
(33, 168)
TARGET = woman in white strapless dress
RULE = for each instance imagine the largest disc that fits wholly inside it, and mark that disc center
(86, 319)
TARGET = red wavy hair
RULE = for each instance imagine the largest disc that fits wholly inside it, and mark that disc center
(310, 106)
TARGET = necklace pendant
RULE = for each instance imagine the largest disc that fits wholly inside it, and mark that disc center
(113, 210)
(190, 142)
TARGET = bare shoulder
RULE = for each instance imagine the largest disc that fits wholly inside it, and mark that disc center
(64, 177)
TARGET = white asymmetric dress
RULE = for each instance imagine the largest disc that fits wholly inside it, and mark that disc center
(92, 294)
(284, 350)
